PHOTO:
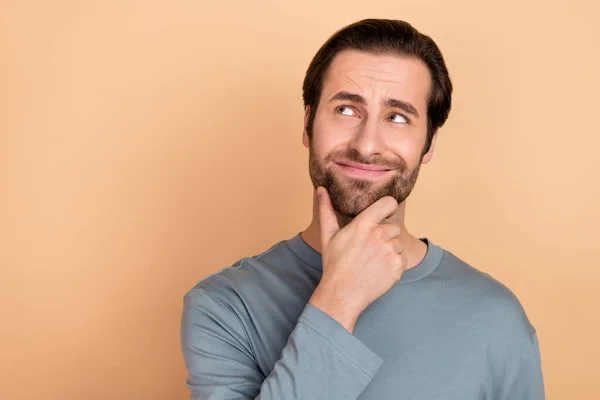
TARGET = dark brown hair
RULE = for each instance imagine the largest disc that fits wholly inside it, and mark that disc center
(383, 36)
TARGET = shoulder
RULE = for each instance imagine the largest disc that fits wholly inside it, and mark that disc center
(494, 313)
(489, 300)
(247, 273)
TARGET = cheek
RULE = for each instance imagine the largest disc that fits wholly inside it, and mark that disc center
(409, 149)
(328, 136)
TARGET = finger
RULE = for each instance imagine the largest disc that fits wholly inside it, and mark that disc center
(378, 211)
(398, 245)
(403, 265)
(403, 262)
(391, 230)
(327, 219)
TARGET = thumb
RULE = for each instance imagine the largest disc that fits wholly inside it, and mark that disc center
(327, 218)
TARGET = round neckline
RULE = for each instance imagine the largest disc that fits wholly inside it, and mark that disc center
(426, 266)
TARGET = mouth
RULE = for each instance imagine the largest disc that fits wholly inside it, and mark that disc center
(361, 170)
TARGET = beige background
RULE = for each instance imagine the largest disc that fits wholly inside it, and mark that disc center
(145, 144)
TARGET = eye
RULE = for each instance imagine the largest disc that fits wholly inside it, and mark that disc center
(398, 118)
(345, 110)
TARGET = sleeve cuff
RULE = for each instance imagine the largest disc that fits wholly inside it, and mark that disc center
(346, 342)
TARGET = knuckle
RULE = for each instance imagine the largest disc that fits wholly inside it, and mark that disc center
(399, 260)
(399, 246)
(403, 262)
(359, 224)
(378, 231)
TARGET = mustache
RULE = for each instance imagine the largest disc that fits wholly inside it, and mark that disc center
(356, 157)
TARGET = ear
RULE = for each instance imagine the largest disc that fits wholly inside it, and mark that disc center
(305, 140)
(429, 155)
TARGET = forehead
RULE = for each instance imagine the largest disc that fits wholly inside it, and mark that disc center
(378, 76)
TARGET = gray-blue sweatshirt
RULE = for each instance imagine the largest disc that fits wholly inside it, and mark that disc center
(444, 331)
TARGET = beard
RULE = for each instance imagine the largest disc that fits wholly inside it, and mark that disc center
(351, 196)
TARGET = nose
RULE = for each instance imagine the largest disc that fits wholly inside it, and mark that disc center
(368, 139)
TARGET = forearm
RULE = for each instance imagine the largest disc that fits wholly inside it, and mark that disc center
(321, 360)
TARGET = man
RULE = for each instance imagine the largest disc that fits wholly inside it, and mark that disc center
(355, 307)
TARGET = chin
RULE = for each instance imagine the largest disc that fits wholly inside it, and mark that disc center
(353, 201)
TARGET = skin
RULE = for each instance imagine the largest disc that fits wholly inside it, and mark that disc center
(358, 220)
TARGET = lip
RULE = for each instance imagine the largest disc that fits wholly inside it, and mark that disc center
(365, 167)
(361, 170)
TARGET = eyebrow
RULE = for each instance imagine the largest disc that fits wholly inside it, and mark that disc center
(392, 103)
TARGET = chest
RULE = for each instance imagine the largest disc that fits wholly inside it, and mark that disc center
(429, 352)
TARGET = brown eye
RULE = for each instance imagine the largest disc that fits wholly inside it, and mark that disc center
(345, 111)
(398, 118)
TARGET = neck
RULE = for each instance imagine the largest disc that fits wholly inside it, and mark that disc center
(414, 249)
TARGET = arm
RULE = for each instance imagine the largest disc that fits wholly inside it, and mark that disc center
(529, 381)
(321, 358)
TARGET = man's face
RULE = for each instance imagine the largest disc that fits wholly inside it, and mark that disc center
(370, 129)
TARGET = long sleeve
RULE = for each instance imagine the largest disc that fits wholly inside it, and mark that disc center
(515, 365)
(321, 359)
(529, 382)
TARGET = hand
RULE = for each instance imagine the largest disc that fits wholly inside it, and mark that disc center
(361, 262)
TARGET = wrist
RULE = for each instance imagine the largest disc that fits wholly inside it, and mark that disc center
(342, 311)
